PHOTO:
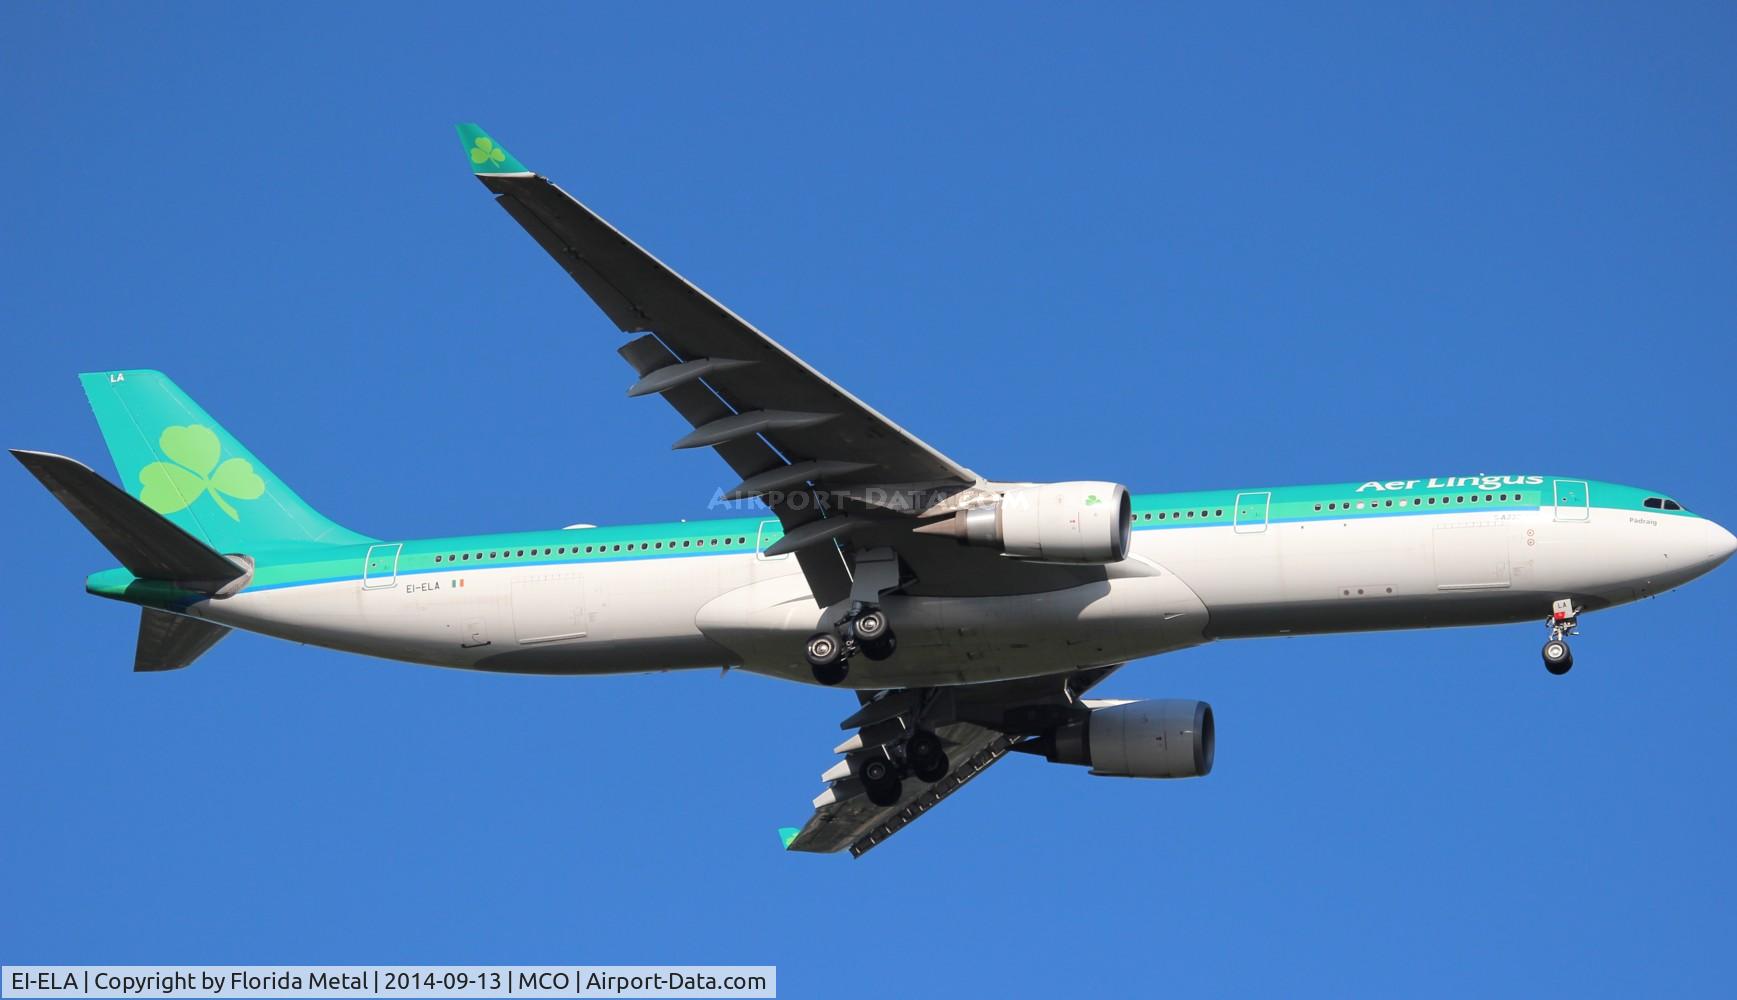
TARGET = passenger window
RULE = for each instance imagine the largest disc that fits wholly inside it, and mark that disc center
(436, 558)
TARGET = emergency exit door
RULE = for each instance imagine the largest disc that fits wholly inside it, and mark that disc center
(380, 566)
(1251, 513)
(1572, 500)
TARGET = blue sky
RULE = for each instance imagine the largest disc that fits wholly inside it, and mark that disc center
(1176, 248)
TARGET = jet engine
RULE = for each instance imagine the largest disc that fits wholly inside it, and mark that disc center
(1080, 522)
(1135, 739)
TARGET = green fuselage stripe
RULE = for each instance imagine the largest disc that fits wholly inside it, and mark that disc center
(308, 565)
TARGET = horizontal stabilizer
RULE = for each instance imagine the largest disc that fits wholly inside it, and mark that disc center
(170, 642)
(149, 545)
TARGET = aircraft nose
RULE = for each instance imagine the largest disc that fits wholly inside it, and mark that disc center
(1723, 543)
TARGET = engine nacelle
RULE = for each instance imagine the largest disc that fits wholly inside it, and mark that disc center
(1138, 739)
(1081, 522)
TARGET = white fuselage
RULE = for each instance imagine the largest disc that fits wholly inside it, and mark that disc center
(1180, 586)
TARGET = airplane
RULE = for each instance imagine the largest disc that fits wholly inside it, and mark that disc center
(971, 617)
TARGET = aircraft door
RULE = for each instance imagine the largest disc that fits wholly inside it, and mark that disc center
(380, 566)
(770, 531)
(1251, 512)
(1572, 500)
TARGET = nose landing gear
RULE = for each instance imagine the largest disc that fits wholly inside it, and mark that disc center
(864, 629)
(1564, 617)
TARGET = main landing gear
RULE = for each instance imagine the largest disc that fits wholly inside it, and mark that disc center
(1564, 616)
(922, 756)
(863, 629)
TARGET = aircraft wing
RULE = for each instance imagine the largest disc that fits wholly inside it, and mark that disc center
(787, 430)
(980, 723)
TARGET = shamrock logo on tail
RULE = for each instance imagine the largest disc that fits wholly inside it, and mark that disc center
(485, 151)
(193, 471)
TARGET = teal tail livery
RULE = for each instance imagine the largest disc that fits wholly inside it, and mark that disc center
(182, 464)
(971, 618)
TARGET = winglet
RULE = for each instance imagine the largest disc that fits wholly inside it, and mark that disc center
(486, 155)
(787, 834)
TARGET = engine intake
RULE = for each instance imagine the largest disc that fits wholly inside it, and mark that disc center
(1136, 739)
(1082, 522)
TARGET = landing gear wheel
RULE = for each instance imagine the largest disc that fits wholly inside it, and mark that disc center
(870, 626)
(927, 757)
(881, 780)
(826, 657)
(833, 675)
(1558, 658)
(881, 648)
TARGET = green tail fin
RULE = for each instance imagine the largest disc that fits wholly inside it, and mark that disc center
(184, 465)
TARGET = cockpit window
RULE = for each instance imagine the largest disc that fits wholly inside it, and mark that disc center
(1672, 505)
(1656, 503)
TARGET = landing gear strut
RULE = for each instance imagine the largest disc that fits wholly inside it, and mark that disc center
(1564, 616)
(864, 629)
